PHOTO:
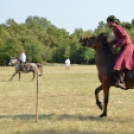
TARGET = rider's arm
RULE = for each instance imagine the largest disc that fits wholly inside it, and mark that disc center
(123, 38)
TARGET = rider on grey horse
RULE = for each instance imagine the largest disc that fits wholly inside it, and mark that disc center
(22, 60)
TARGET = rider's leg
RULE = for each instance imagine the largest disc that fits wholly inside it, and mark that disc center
(21, 65)
(119, 79)
(20, 62)
(122, 76)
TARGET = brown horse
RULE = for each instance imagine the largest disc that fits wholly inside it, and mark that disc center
(102, 53)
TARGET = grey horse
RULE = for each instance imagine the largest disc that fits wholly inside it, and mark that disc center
(28, 67)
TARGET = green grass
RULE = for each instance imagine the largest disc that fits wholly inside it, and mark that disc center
(66, 104)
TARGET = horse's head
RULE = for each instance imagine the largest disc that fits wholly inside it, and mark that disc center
(13, 61)
(89, 41)
(93, 41)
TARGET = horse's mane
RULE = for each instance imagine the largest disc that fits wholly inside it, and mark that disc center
(107, 48)
(14, 58)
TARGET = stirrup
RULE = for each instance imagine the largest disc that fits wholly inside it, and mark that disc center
(120, 85)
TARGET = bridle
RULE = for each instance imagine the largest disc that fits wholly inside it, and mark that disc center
(87, 43)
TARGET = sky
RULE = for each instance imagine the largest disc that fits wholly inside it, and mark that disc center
(68, 14)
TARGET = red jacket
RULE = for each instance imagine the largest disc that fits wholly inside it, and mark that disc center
(122, 38)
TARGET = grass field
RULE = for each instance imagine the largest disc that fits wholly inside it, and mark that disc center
(66, 104)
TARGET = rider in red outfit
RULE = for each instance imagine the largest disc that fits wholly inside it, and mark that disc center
(125, 58)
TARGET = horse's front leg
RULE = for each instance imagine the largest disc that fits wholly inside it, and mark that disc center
(13, 76)
(19, 75)
(106, 98)
(97, 91)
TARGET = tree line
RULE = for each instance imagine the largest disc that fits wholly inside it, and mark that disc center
(44, 42)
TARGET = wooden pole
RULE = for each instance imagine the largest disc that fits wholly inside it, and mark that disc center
(37, 97)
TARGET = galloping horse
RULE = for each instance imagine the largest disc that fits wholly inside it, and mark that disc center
(28, 67)
(102, 53)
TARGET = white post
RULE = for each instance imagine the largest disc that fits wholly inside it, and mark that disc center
(37, 97)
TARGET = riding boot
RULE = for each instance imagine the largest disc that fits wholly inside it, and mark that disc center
(21, 64)
(122, 76)
(119, 80)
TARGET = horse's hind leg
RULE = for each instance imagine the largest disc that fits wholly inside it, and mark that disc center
(97, 91)
(34, 75)
(13, 76)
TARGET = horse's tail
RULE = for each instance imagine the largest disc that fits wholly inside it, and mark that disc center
(40, 67)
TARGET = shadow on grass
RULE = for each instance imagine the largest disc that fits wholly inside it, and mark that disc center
(53, 131)
(4, 81)
(74, 131)
(56, 117)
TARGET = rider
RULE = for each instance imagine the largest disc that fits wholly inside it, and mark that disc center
(125, 57)
(22, 59)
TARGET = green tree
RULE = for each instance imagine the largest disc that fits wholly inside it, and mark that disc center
(87, 54)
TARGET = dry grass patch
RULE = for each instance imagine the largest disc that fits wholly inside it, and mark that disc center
(66, 104)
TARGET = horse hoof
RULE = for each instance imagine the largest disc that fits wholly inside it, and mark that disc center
(103, 115)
